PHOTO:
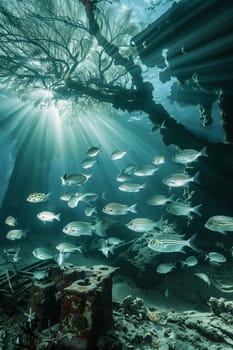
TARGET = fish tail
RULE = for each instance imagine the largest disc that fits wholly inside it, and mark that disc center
(63, 180)
(190, 242)
(183, 263)
(132, 208)
(196, 177)
(57, 217)
(88, 176)
(143, 185)
(25, 233)
(47, 195)
(196, 209)
(170, 199)
(203, 152)
(79, 249)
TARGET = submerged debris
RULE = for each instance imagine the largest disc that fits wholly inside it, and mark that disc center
(143, 328)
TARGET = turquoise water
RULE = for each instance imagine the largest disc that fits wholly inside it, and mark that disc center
(49, 123)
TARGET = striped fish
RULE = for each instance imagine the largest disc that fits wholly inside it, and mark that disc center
(169, 243)
(220, 223)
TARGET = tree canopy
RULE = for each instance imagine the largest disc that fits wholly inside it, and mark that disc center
(79, 51)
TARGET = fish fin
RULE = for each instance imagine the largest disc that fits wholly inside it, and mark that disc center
(206, 257)
(57, 217)
(143, 185)
(190, 242)
(25, 233)
(88, 176)
(183, 263)
(222, 232)
(111, 249)
(196, 178)
(170, 199)
(203, 152)
(79, 249)
(47, 195)
(196, 209)
(132, 208)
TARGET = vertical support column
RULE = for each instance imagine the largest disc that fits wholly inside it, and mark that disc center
(86, 311)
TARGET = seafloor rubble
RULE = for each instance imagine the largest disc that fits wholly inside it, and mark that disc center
(73, 309)
(140, 327)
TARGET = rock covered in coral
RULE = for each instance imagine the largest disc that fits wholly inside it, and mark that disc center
(140, 327)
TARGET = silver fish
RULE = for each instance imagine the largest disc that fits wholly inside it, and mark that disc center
(159, 199)
(168, 243)
(123, 177)
(114, 241)
(38, 197)
(183, 209)
(88, 163)
(93, 151)
(40, 275)
(48, 216)
(131, 187)
(145, 170)
(10, 251)
(158, 160)
(11, 221)
(92, 196)
(42, 253)
(187, 156)
(180, 179)
(129, 169)
(74, 200)
(74, 179)
(220, 223)
(79, 228)
(165, 267)
(189, 261)
(142, 225)
(66, 196)
(216, 257)
(68, 247)
(84, 197)
(118, 155)
(119, 209)
(13, 253)
(16, 234)
(60, 259)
